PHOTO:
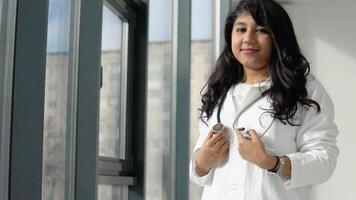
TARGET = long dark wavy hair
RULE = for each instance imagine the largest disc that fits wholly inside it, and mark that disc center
(287, 66)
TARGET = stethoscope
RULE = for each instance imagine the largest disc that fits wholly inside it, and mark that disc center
(218, 127)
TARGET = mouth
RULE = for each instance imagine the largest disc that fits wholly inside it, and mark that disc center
(249, 50)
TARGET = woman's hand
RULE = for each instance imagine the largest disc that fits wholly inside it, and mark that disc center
(213, 151)
(253, 150)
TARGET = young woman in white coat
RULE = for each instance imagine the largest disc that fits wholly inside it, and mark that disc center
(266, 124)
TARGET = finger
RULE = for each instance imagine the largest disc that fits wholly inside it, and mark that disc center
(221, 143)
(209, 136)
(225, 151)
(217, 137)
(253, 134)
(241, 152)
(225, 147)
(240, 137)
(224, 131)
(220, 133)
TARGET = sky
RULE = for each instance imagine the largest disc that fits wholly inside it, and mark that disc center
(160, 22)
(58, 25)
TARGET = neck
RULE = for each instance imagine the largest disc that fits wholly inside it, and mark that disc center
(255, 76)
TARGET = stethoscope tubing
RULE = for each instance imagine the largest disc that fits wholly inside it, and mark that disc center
(219, 126)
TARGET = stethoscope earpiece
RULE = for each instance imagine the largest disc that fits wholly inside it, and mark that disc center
(245, 133)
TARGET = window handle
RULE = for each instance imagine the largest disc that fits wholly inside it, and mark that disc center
(101, 76)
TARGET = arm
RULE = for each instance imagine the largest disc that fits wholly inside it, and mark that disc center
(253, 150)
(315, 159)
(270, 162)
(209, 153)
(196, 176)
(317, 153)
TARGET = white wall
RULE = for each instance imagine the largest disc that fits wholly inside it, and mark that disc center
(327, 35)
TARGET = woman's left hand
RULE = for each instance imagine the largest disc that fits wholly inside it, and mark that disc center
(253, 150)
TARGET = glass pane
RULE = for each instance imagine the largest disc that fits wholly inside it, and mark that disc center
(0, 13)
(110, 192)
(159, 101)
(234, 2)
(113, 92)
(55, 110)
(201, 63)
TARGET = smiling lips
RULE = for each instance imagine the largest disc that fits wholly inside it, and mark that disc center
(249, 50)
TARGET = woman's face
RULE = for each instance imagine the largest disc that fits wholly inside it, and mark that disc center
(250, 43)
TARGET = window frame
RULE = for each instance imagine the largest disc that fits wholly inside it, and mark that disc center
(7, 45)
(28, 100)
(123, 79)
(27, 112)
(180, 110)
(113, 171)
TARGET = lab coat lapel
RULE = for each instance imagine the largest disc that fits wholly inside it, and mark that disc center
(228, 110)
(229, 113)
(254, 95)
(251, 97)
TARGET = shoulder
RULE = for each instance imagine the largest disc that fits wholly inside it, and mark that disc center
(314, 86)
(318, 93)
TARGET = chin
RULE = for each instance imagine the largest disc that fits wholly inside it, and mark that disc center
(254, 65)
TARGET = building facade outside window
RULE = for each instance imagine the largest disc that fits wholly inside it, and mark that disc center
(55, 111)
(157, 170)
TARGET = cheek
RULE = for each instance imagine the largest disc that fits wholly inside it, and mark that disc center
(235, 47)
(234, 50)
(269, 54)
(268, 48)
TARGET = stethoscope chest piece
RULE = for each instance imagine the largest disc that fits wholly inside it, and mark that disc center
(218, 127)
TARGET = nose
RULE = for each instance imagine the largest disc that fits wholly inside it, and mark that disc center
(249, 37)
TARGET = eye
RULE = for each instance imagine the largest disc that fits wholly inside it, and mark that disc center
(241, 30)
(262, 30)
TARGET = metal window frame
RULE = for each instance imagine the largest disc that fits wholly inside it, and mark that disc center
(113, 6)
(29, 53)
(137, 98)
(87, 161)
(220, 11)
(28, 100)
(87, 158)
(180, 110)
(72, 100)
(124, 84)
(113, 171)
(7, 45)
(87, 115)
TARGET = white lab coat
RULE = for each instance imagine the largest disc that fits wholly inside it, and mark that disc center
(311, 148)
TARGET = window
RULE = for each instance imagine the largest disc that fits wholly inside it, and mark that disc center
(109, 192)
(55, 110)
(208, 20)
(115, 161)
(112, 125)
(201, 53)
(55, 100)
(158, 137)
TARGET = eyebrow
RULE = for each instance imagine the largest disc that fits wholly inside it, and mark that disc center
(240, 23)
(244, 24)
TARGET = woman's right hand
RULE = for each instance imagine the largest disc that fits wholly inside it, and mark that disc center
(213, 151)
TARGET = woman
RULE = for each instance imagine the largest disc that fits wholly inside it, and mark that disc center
(261, 83)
